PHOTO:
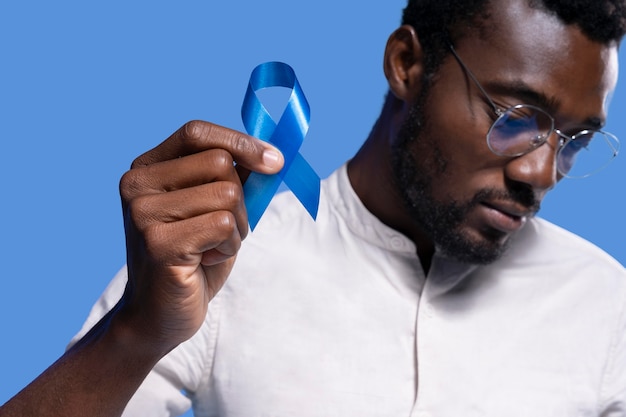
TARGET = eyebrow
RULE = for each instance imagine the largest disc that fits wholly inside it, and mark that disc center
(523, 91)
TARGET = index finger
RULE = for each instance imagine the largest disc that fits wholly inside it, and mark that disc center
(197, 136)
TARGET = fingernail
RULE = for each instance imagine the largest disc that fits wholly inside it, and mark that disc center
(271, 157)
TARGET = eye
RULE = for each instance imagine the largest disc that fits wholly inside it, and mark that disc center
(581, 140)
(522, 113)
(576, 144)
(524, 123)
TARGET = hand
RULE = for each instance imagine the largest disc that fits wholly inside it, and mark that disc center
(185, 219)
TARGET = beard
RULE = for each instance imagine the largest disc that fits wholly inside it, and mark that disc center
(442, 221)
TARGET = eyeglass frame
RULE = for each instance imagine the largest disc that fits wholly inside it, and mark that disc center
(564, 139)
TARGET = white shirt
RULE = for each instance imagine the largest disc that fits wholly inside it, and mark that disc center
(336, 318)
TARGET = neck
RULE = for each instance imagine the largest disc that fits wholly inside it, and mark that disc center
(371, 176)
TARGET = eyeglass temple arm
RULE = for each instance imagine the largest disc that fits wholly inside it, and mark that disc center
(474, 80)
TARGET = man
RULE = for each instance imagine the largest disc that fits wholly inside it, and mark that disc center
(425, 287)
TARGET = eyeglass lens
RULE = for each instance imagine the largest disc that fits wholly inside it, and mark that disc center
(523, 128)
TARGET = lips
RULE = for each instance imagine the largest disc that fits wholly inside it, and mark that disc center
(504, 216)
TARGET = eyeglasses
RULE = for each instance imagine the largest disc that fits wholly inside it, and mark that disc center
(522, 128)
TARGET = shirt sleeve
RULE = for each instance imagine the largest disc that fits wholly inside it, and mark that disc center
(167, 389)
(614, 385)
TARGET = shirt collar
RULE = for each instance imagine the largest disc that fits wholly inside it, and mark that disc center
(445, 273)
(360, 220)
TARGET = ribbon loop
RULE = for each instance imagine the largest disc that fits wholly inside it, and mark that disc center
(287, 135)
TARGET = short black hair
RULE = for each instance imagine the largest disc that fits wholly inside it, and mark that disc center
(602, 21)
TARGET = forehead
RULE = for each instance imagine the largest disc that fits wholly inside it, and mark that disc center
(520, 44)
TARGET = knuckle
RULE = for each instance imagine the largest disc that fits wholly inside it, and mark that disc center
(243, 145)
(231, 194)
(226, 223)
(156, 246)
(195, 133)
(138, 162)
(140, 211)
(194, 129)
(222, 160)
(200, 135)
(129, 185)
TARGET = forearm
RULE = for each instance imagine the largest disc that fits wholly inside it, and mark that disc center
(96, 377)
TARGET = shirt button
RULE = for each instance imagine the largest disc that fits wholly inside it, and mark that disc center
(397, 242)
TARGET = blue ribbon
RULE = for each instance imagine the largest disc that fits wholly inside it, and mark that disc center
(287, 135)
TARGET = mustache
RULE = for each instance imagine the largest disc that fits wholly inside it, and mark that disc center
(519, 194)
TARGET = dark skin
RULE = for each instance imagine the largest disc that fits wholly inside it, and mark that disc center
(179, 255)
(533, 48)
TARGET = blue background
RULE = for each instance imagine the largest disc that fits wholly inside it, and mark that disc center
(85, 87)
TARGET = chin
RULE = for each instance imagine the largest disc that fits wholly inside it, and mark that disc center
(483, 249)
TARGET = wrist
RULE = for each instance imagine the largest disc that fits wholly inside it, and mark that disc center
(131, 334)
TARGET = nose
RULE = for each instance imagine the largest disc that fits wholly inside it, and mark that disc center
(537, 169)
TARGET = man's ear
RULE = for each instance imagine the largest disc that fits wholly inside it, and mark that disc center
(404, 63)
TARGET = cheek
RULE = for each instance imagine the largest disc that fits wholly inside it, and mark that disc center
(460, 121)
(462, 145)
(459, 161)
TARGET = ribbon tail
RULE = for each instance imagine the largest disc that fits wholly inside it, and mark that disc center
(258, 192)
(304, 183)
